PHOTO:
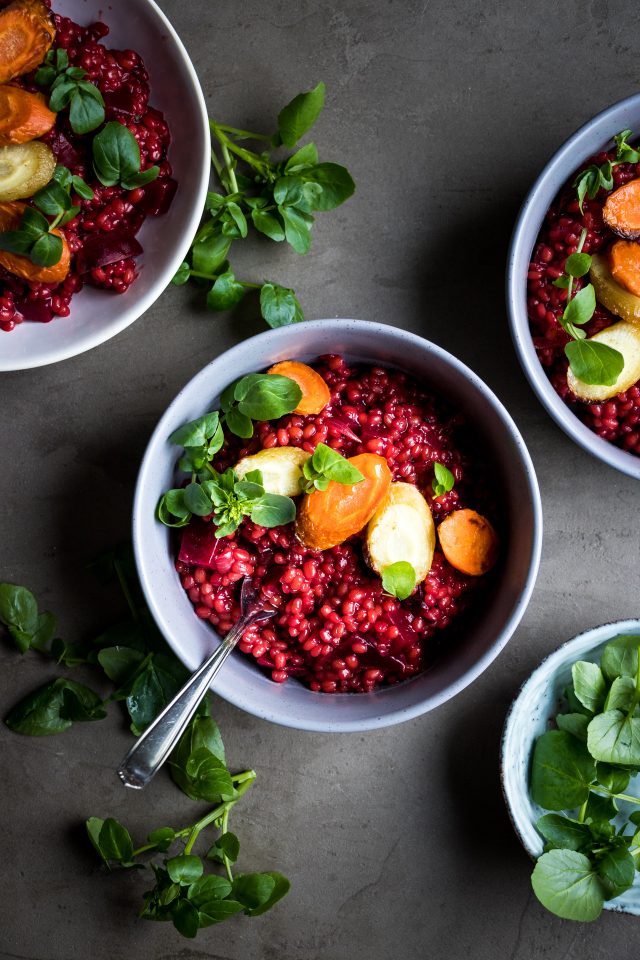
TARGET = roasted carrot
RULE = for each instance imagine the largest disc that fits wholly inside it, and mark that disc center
(26, 33)
(10, 214)
(24, 116)
(328, 517)
(315, 392)
(624, 260)
(621, 212)
(469, 542)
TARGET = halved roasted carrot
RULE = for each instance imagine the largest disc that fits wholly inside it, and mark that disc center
(26, 34)
(24, 116)
(328, 517)
(469, 542)
(621, 212)
(315, 392)
(10, 214)
(624, 260)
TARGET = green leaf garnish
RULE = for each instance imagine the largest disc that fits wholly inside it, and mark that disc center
(399, 579)
(594, 362)
(116, 158)
(324, 465)
(443, 480)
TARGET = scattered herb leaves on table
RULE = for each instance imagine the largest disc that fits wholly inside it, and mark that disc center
(278, 198)
(581, 771)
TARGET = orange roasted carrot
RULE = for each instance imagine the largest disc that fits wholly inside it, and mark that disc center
(624, 260)
(10, 214)
(24, 116)
(315, 392)
(26, 34)
(621, 212)
(328, 517)
(469, 542)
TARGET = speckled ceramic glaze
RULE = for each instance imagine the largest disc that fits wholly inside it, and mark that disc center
(96, 315)
(594, 136)
(528, 718)
(493, 623)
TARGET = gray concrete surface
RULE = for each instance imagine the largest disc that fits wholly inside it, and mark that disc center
(397, 842)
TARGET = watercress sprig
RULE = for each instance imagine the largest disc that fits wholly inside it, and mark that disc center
(324, 465)
(443, 480)
(69, 87)
(591, 361)
(257, 396)
(399, 579)
(594, 178)
(278, 198)
(581, 771)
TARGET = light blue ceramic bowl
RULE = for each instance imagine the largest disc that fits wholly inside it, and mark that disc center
(290, 703)
(594, 136)
(529, 716)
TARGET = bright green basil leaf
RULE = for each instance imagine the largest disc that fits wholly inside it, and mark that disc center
(614, 738)
(577, 265)
(279, 306)
(620, 657)
(263, 396)
(336, 182)
(114, 841)
(594, 362)
(225, 293)
(574, 723)
(268, 224)
(566, 883)
(300, 115)
(253, 890)
(273, 510)
(561, 772)
(589, 685)
(399, 579)
(227, 845)
(184, 869)
(563, 833)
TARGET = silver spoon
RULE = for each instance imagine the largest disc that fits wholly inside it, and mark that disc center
(151, 750)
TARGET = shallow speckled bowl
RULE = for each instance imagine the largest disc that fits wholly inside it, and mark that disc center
(528, 718)
(97, 315)
(291, 703)
(594, 136)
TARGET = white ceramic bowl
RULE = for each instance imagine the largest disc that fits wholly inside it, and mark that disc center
(594, 136)
(97, 315)
(528, 718)
(291, 703)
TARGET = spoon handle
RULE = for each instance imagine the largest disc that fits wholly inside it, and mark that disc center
(151, 750)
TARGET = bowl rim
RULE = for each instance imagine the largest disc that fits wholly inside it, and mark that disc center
(555, 659)
(388, 717)
(615, 457)
(129, 314)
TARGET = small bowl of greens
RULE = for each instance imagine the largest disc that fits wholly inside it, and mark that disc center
(570, 760)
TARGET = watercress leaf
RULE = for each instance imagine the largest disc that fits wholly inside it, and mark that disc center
(625, 153)
(594, 362)
(605, 179)
(33, 223)
(238, 217)
(204, 777)
(577, 264)
(196, 500)
(562, 282)
(120, 663)
(399, 579)
(253, 890)
(336, 182)
(52, 199)
(263, 396)
(63, 176)
(574, 704)
(181, 276)
(598, 812)
(81, 188)
(196, 432)
(152, 690)
(248, 490)
(61, 93)
(116, 154)
(45, 75)
(86, 112)
(208, 888)
(287, 191)
(273, 510)
(306, 156)
(45, 629)
(172, 506)
(280, 889)
(19, 612)
(141, 179)
(443, 480)
(561, 772)
(185, 918)
(239, 423)
(47, 250)
(589, 685)
(620, 656)
(279, 306)
(209, 254)
(185, 868)
(296, 229)
(613, 778)
(327, 461)
(114, 841)
(268, 224)
(79, 702)
(94, 826)
(202, 732)
(300, 115)
(227, 845)
(70, 215)
(621, 695)
(581, 307)
(566, 883)
(563, 833)
(40, 713)
(574, 723)
(617, 871)
(614, 737)
(225, 292)
(215, 911)
(16, 241)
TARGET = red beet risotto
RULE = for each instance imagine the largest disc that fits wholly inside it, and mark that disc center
(584, 294)
(75, 115)
(354, 512)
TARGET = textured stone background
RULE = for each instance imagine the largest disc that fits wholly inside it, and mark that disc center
(397, 842)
